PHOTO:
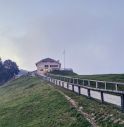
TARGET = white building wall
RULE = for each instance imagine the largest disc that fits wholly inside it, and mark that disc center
(42, 69)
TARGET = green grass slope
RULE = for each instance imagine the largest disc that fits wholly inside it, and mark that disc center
(30, 102)
(105, 77)
(64, 72)
(105, 115)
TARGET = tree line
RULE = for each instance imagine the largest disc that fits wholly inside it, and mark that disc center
(8, 69)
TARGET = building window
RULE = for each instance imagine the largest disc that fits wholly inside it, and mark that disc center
(46, 66)
(53, 65)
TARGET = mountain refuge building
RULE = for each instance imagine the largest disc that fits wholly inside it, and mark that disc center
(47, 65)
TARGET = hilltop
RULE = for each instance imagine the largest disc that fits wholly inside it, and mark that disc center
(32, 102)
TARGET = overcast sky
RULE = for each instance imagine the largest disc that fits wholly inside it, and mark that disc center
(91, 32)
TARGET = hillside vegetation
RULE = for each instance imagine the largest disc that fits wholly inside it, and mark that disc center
(101, 77)
(31, 102)
(64, 72)
(105, 77)
(105, 115)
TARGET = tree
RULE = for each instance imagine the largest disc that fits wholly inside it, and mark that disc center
(8, 69)
(11, 68)
(0, 63)
(1, 70)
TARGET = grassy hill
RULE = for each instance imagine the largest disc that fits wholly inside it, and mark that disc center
(105, 77)
(105, 115)
(102, 77)
(64, 72)
(30, 102)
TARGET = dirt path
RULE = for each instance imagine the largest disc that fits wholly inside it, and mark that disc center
(79, 109)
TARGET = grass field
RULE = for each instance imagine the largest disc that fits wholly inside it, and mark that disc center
(30, 102)
(105, 115)
(102, 77)
(105, 77)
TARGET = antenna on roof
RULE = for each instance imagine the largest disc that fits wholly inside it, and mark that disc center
(64, 58)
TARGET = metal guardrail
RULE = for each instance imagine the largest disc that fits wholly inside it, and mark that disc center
(83, 87)
(117, 87)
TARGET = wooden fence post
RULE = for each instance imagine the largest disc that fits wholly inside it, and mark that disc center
(73, 88)
(56, 82)
(102, 97)
(79, 90)
(88, 82)
(77, 81)
(105, 86)
(63, 84)
(122, 102)
(67, 85)
(83, 82)
(96, 84)
(116, 87)
(88, 90)
(73, 80)
(70, 80)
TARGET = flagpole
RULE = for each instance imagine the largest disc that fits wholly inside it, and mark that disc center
(64, 59)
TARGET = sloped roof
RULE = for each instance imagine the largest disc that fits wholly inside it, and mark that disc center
(47, 60)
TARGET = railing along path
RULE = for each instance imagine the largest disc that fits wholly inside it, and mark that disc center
(106, 92)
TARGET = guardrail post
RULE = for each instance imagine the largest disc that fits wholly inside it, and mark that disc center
(122, 102)
(102, 97)
(79, 90)
(89, 95)
(69, 80)
(56, 81)
(96, 84)
(116, 87)
(60, 83)
(77, 81)
(83, 82)
(67, 85)
(63, 84)
(73, 80)
(88, 82)
(105, 86)
(73, 88)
